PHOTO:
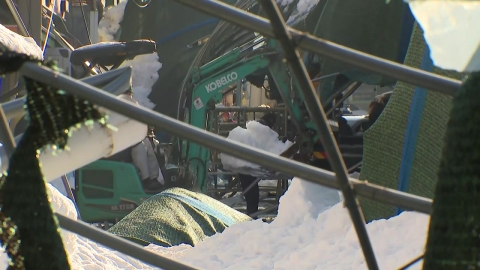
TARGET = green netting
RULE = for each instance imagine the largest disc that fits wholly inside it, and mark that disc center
(383, 142)
(454, 235)
(167, 221)
(370, 26)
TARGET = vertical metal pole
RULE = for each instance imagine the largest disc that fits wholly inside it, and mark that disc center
(5, 135)
(68, 189)
(9, 83)
(313, 104)
(218, 143)
(18, 18)
(94, 23)
(238, 93)
(31, 14)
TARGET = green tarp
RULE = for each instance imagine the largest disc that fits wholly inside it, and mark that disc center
(384, 141)
(168, 220)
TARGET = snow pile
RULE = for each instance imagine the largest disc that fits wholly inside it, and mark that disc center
(255, 135)
(308, 234)
(451, 31)
(144, 75)
(305, 236)
(145, 67)
(311, 198)
(83, 253)
(110, 23)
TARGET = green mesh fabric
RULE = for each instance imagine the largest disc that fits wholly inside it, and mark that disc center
(383, 142)
(454, 233)
(28, 228)
(167, 221)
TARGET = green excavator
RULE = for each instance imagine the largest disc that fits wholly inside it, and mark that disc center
(108, 189)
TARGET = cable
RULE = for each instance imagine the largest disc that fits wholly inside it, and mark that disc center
(85, 22)
(204, 176)
(47, 34)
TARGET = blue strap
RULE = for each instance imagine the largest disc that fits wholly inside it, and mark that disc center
(413, 126)
(202, 207)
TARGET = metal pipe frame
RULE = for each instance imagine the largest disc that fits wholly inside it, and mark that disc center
(6, 134)
(319, 118)
(218, 143)
(328, 49)
(119, 244)
(350, 91)
(17, 17)
(326, 77)
(245, 152)
(112, 81)
(248, 109)
(309, 173)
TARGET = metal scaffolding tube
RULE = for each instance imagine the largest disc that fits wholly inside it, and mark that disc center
(349, 92)
(317, 115)
(112, 81)
(17, 17)
(5, 135)
(218, 143)
(119, 244)
(329, 49)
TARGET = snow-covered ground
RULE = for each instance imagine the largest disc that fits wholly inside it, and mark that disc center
(312, 231)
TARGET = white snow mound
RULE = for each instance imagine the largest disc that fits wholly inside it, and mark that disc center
(255, 135)
(144, 76)
(308, 234)
(83, 254)
(110, 23)
(451, 32)
(312, 231)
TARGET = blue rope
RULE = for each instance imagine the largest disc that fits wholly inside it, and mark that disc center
(413, 126)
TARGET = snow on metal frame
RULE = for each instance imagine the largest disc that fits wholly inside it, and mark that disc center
(149, 121)
(20, 44)
(197, 135)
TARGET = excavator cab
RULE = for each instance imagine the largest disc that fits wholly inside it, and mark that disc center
(107, 191)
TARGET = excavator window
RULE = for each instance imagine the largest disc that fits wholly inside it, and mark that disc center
(95, 182)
